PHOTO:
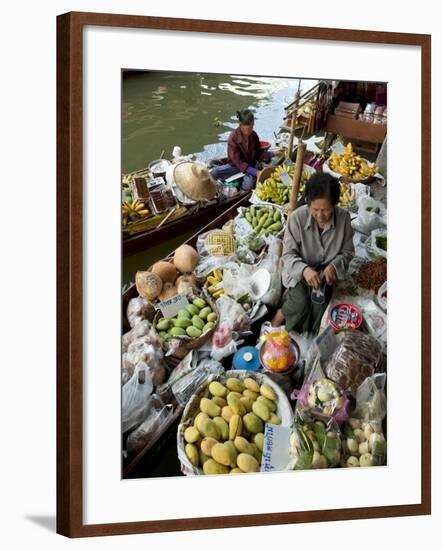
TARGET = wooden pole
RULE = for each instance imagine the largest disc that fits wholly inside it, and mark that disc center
(292, 134)
(297, 176)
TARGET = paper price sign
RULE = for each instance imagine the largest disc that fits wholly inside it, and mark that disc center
(276, 449)
(285, 178)
(169, 308)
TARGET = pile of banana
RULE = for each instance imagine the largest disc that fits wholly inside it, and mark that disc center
(274, 190)
(347, 195)
(133, 211)
(214, 279)
(350, 165)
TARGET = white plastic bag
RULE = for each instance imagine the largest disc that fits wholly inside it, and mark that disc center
(371, 215)
(158, 414)
(382, 297)
(372, 244)
(136, 398)
(270, 262)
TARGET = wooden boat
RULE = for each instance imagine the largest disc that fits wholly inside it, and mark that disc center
(193, 217)
(151, 454)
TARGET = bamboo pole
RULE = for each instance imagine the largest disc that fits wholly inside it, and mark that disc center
(297, 176)
(292, 135)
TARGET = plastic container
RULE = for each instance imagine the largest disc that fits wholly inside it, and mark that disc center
(345, 316)
(246, 358)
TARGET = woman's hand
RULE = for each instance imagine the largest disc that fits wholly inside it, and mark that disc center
(330, 274)
(312, 277)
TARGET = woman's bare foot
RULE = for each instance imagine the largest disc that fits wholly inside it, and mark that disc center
(278, 318)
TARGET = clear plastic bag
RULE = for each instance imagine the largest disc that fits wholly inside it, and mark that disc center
(320, 398)
(376, 322)
(136, 398)
(277, 352)
(270, 262)
(143, 329)
(127, 369)
(372, 215)
(151, 355)
(138, 310)
(158, 414)
(215, 248)
(371, 401)
(185, 387)
(375, 244)
(357, 357)
(314, 445)
(236, 280)
(382, 296)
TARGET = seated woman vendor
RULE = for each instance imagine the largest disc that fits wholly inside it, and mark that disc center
(317, 248)
(243, 152)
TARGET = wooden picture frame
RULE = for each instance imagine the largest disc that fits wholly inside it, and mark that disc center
(70, 271)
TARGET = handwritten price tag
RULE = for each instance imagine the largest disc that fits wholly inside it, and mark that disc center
(169, 308)
(326, 343)
(275, 453)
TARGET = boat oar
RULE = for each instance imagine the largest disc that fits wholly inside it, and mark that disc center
(297, 176)
(168, 216)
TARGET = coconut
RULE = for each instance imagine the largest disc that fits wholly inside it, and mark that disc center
(166, 271)
(168, 291)
(148, 284)
(185, 283)
(185, 258)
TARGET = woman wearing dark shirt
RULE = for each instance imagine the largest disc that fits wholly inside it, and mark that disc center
(243, 152)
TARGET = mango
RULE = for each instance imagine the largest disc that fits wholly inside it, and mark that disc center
(232, 447)
(191, 434)
(242, 445)
(210, 429)
(163, 335)
(217, 389)
(247, 463)
(247, 402)
(192, 453)
(193, 310)
(193, 332)
(250, 394)
(211, 467)
(256, 453)
(274, 419)
(269, 404)
(177, 331)
(209, 407)
(251, 385)
(205, 312)
(227, 413)
(203, 457)
(236, 471)
(261, 410)
(208, 326)
(163, 324)
(207, 444)
(235, 404)
(197, 322)
(199, 303)
(259, 441)
(223, 427)
(180, 322)
(222, 454)
(235, 426)
(212, 317)
(234, 384)
(184, 314)
(253, 423)
(267, 391)
(220, 401)
(198, 419)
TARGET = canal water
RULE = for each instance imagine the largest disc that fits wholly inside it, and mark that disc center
(197, 112)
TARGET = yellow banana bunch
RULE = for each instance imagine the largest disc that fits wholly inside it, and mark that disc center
(347, 195)
(133, 211)
(215, 278)
(350, 165)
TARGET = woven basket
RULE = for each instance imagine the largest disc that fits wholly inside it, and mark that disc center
(284, 411)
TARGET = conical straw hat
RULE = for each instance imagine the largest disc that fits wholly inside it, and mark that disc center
(195, 181)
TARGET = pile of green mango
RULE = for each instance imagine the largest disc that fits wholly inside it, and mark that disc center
(194, 320)
(265, 221)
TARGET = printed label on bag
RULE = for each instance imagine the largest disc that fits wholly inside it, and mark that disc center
(169, 308)
(275, 453)
(326, 343)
